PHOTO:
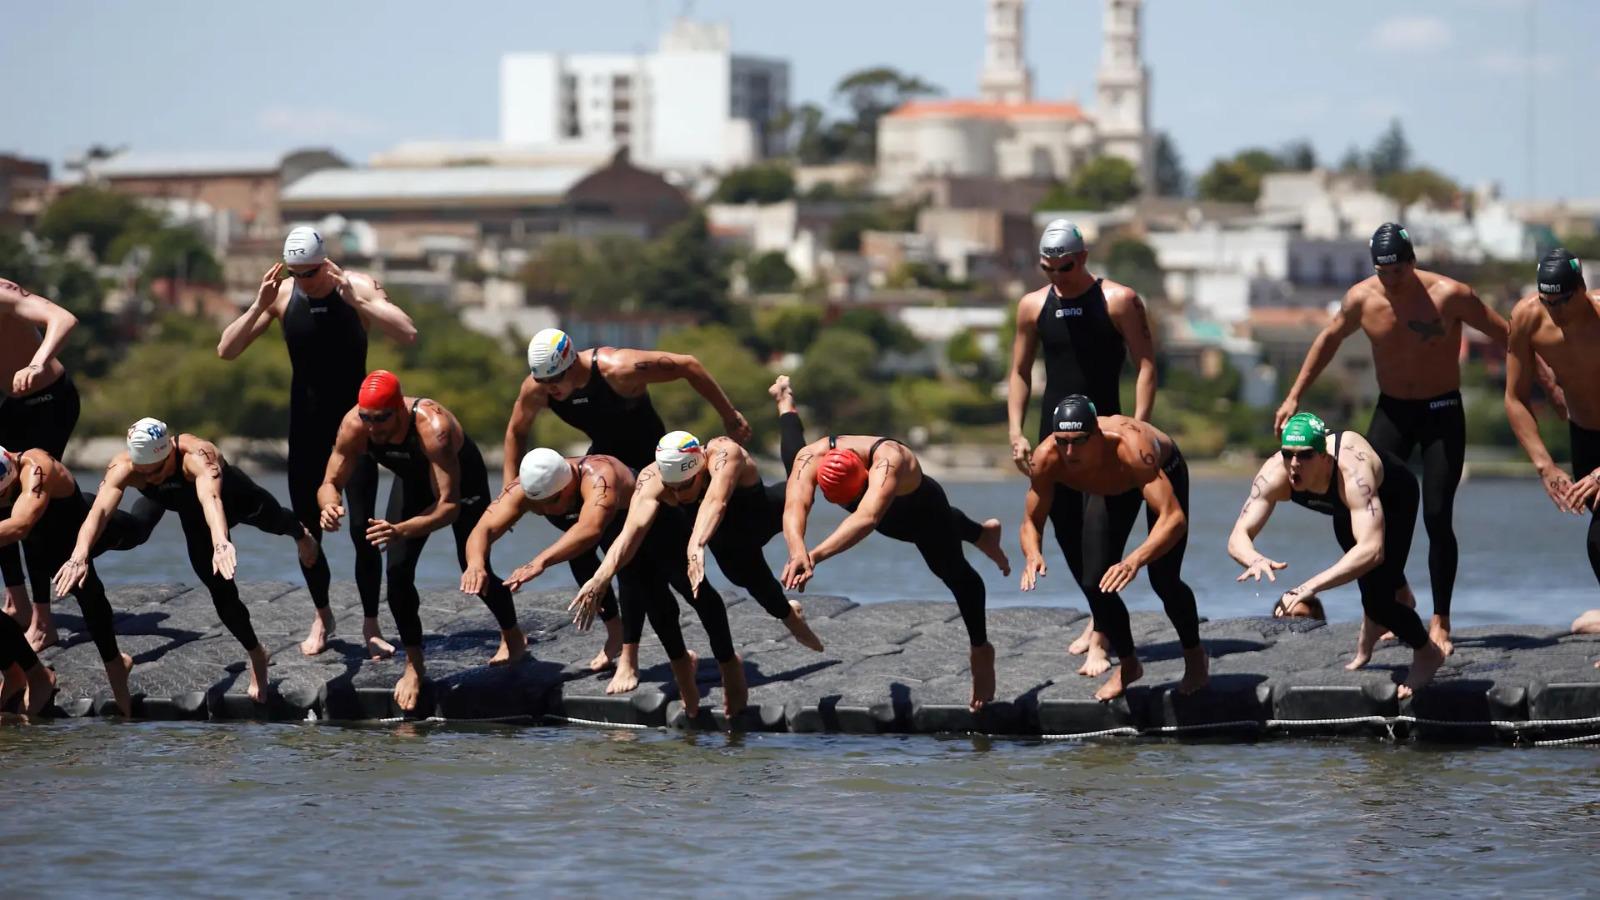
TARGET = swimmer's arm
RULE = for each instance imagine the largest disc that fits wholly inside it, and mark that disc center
(106, 501)
(1133, 322)
(1036, 511)
(372, 302)
(530, 401)
(497, 520)
(255, 320)
(347, 446)
(39, 312)
(656, 367)
(1270, 486)
(726, 464)
(445, 468)
(1170, 526)
(30, 506)
(642, 511)
(1519, 388)
(1344, 323)
(1360, 494)
(1019, 382)
(599, 508)
(799, 496)
(881, 484)
(203, 465)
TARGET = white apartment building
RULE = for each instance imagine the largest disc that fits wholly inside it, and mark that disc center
(1221, 273)
(691, 106)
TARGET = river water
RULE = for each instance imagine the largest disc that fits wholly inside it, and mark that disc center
(419, 809)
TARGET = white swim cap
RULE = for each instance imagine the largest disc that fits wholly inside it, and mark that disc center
(550, 353)
(149, 441)
(543, 473)
(8, 470)
(679, 456)
(303, 247)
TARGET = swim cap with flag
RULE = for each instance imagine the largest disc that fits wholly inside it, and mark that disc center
(149, 441)
(1060, 238)
(8, 469)
(1075, 412)
(1305, 430)
(380, 390)
(543, 473)
(679, 456)
(1391, 244)
(303, 247)
(1559, 272)
(550, 353)
(842, 476)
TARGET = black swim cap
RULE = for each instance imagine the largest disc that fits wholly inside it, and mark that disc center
(1391, 244)
(1075, 412)
(1559, 272)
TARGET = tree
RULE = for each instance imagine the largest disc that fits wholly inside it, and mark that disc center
(834, 381)
(180, 254)
(101, 215)
(885, 333)
(739, 373)
(1133, 263)
(1230, 181)
(845, 232)
(1391, 153)
(1297, 156)
(1171, 180)
(602, 275)
(769, 272)
(1409, 186)
(1351, 162)
(685, 271)
(1101, 184)
(790, 328)
(765, 183)
(871, 94)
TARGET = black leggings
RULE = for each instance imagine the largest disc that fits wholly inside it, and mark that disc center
(1585, 459)
(42, 420)
(926, 519)
(585, 564)
(50, 544)
(14, 648)
(1439, 427)
(311, 436)
(1105, 549)
(1400, 498)
(754, 517)
(410, 498)
(648, 580)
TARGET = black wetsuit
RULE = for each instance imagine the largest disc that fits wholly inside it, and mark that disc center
(1439, 428)
(925, 519)
(14, 647)
(328, 353)
(660, 563)
(42, 420)
(1399, 497)
(413, 492)
(1083, 354)
(1585, 459)
(625, 427)
(1166, 571)
(244, 503)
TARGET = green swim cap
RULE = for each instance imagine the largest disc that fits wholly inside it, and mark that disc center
(1305, 430)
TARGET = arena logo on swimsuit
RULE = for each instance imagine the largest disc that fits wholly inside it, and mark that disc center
(1069, 311)
(1069, 426)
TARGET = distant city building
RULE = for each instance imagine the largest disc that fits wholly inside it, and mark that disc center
(1010, 134)
(24, 187)
(692, 105)
(1222, 274)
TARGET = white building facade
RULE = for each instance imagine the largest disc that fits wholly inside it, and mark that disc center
(692, 105)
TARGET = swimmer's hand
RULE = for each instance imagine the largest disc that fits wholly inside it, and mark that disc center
(797, 572)
(224, 560)
(70, 576)
(523, 575)
(1022, 456)
(1118, 577)
(1033, 568)
(1262, 566)
(736, 427)
(22, 381)
(1290, 406)
(697, 569)
(331, 516)
(381, 531)
(1581, 496)
(587, 603)
(1558, 486)
(473, 579)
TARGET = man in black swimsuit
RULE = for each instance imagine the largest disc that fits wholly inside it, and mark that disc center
(880, 481)
(22, 672)
(1087, 327)
(605, 394)
(326, 313)
(1373, 499)
(439, 480)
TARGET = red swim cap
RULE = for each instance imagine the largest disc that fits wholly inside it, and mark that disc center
(842, 476)
(380, 390)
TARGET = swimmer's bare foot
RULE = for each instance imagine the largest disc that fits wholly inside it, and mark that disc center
(310, 551)
(1098, 660)
(1366, 639)
(796, 623)
(683, 670)
(12, 680)
(735, 690)
(1124, 675)
(317, 638)
(1425, 661)
(981, 660)
(1081, 646)
(372, 637)
(783, 394)
(989, 543)
(42, 633)
(258, 674)
(18, 607)
(607, 657)
(1439, 633)
(1196, 671)
(408, 690)
(626, 678)
(41, 690)
(513, 647)
(117, 671)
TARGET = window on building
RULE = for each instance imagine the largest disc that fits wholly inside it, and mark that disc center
(1328, 276)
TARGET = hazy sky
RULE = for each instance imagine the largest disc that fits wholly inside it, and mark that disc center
(1473, 81)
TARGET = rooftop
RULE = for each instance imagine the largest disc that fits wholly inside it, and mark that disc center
(140, 165)
(434, 184)
(986, 109)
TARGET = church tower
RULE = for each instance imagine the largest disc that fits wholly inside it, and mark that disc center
(1005, 78)
(1122, 92)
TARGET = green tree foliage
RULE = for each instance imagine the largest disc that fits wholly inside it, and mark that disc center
(741, 375)
(1238, 180)
(845, 232)
(101, 215)
(1297, 156)
(969, 361)
(871, 94)
(835, 382)
(685, 271)
(765, 183)
(178, 253)
(885, 333)
(588, 276)
(769, 272)
(1098, 185)
(1133, 263)
(790, 328)
(1411, 185)
(1391, 153)
(1171, 179)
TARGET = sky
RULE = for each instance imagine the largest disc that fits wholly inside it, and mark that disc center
(1487, 90)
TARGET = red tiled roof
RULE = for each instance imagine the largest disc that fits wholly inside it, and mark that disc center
(987, 109)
